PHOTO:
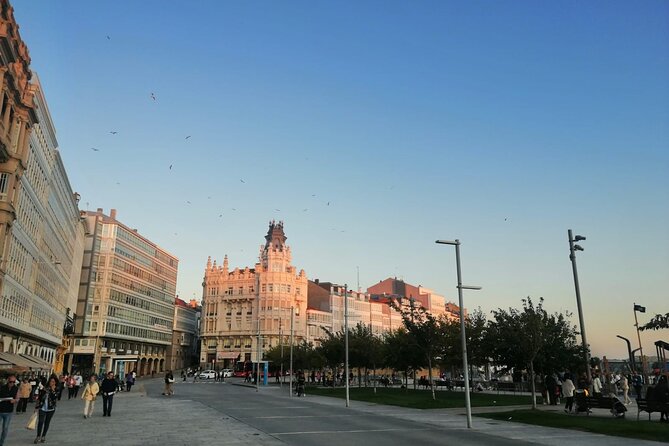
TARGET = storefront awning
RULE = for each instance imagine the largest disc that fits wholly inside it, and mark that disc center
(17, 361)
(39, 362)
(228, 355)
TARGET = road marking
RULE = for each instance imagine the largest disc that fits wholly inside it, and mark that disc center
(301, 416)
(356, 431)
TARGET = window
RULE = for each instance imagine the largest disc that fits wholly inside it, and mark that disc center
(271, 288)
(263, 288)
(4, 185)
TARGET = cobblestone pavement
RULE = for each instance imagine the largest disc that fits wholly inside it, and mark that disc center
(210, 413)
(138, 419)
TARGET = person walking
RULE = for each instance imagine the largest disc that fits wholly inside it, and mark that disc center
(129, 381)
(46, 405)
(596, 386)
(108, 389)
(90, 395)
(71, 382)
(568, 392)
(23, 395)
(637, 384)
(78, 381)
(8, 397)
(169, 382)
(625, 387)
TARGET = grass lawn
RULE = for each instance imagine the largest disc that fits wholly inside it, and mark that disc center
(642, 430)
(421, 399)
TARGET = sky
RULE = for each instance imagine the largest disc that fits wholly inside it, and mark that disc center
(373, 128)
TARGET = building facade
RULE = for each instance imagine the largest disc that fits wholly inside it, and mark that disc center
(125, 307)
(44, 249)
(242, 305)
(183, 352)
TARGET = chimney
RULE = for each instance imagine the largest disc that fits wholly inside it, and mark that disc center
(99, 211)
(112, 214)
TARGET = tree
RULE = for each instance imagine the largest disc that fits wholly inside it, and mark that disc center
(519, 337)
(399, 353)
(364, 348)
(332, 349)
(425, 330)
(658, 322)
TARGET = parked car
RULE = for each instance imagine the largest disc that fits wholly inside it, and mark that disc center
(207, 374)
(228, 373)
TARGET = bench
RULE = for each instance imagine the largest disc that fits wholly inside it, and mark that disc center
(585, 403)
(443, 383)
(650, 407)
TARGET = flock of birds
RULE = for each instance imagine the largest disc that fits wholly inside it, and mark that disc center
(154, 98)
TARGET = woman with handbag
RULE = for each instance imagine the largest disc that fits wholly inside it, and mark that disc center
(46, 405)
(90, 394)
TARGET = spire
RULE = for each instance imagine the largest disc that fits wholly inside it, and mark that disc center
(209, 262)
(275, 236)
(225, 263)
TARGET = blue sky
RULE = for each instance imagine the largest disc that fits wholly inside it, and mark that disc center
(502, 124)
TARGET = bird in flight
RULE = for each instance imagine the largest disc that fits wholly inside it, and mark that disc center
(113, 133)
(188, 202)
(220, 215)
(170, 166)
(94, 149)
(187, 136)
(278, 210)
(328, 203)
(242, 180)
(305, 210)
(153, 96)
(108, 38)
(505, 218)
(118, 183)
(234, 209)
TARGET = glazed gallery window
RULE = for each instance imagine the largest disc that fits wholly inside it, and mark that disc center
(4, 186)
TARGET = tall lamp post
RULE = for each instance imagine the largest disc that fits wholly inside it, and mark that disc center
(292, 335)
(640, 309)
(572, 256)
(463, 338)
(348, 402)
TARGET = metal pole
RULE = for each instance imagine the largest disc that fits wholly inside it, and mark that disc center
(346, 342)
(636, 324)
(586, 350)
(258, 359)
(629, 351)
(463, 338)
(281, 344)
(292, 334)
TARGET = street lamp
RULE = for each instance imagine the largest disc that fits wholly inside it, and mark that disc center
(348, 401)
(629, 351)
(292, 336)
(572, 256)
(463, 338)
(640, 309)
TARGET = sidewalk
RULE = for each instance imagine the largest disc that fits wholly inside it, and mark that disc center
(139, 420)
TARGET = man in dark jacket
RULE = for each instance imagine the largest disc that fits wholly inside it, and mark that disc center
(108, 388)
(7, 400)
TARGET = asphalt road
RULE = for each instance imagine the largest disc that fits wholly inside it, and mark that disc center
(307, 421)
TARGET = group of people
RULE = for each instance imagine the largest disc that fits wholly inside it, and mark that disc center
(16, 394)
(611, 384)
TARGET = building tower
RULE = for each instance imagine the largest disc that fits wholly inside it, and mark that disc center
(239, 304)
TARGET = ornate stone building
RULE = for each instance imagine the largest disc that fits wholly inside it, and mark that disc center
(41, 234)
(241, 304)
(17, 118)
(125, 310)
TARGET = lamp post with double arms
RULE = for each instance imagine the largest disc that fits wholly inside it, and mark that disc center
(463, 338)
(572, 256)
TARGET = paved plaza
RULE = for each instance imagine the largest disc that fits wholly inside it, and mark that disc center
(209, 413)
